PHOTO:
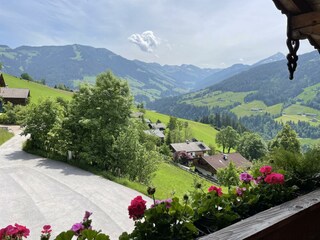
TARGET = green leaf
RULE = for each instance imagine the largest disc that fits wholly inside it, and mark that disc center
(65, 235)
(89, 234)
(102, 236)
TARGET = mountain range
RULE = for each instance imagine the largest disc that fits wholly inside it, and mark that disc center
(263, 88)
(73, 64)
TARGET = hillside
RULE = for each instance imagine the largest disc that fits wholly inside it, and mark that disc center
(264, 88)
(73, 64)
(37, 90)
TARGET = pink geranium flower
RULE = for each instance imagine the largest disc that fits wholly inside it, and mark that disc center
(216, 189)
(274, 178)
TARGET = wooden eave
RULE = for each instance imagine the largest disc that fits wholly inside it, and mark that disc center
(303, 19)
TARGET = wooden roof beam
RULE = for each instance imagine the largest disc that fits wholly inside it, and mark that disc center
(305, 21)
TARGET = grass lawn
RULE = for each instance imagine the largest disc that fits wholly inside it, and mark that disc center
(5, 136)
(37, 90)
(202, 132)
(170, 179)
(167, 179)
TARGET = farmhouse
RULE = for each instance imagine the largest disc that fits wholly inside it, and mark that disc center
(17, 96)
(209, 165)
(193, 149)
(159, 126)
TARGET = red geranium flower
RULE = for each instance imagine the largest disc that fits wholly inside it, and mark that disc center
(137, 208)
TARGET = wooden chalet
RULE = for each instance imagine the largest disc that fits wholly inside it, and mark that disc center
(17, 96)
(193, 149)
(209, 165)
(303, 23)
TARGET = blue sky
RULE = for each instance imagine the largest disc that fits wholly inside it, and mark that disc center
(206, 33)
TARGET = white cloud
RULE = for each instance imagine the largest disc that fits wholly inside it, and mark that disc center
(146, 41)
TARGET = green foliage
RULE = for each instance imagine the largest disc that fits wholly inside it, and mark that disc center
(251, 146)
(161, 222)
(301, 169)
(97, 116)
(287, 139)
(86, 234)
(131, 158)
(228, 176)
(42, 121)
(11, 114)
(212, 150)
(178, 131)
(211, 212)
(26, 76)
(227, 138)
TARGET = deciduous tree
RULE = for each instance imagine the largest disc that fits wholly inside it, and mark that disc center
(227, 138)
(251, 146)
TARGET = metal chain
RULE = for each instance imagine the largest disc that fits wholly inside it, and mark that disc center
(293, 46)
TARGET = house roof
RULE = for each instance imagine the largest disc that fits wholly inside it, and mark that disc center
(217, 161)
(157, 125)
(2, 82)
(189, 147)
(147, 120)
(155, 132)
(14, 93)
(303, 19)
(136, 114)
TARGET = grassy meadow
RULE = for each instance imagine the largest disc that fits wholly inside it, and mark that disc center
(37, 91)
(5, 136)
(218, 98)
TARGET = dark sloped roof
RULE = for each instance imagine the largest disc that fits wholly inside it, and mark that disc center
(217, 161)
(190, 147)
(14, 93)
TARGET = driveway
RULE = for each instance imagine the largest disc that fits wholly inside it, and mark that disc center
(36, 191)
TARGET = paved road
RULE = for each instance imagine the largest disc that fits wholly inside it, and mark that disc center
(37, 191)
